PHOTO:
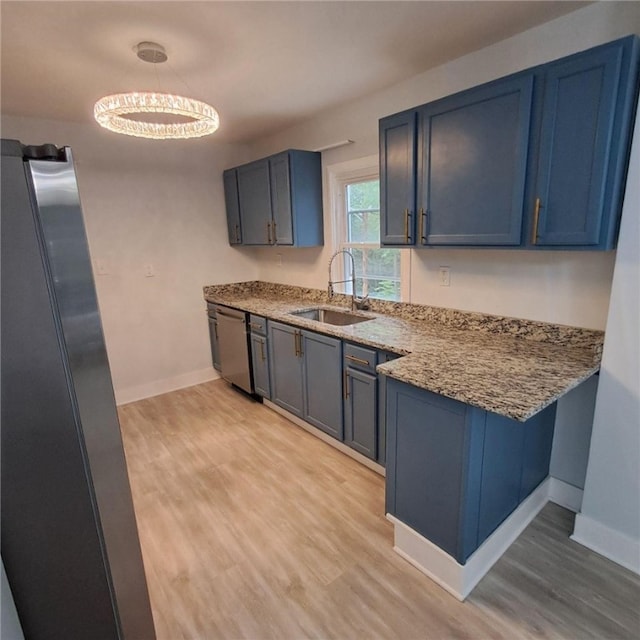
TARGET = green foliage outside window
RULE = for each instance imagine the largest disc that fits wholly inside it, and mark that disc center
(377, 269)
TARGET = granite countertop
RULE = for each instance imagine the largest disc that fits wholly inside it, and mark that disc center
(510, 366)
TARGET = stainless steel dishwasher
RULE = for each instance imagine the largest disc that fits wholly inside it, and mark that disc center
(233, 344)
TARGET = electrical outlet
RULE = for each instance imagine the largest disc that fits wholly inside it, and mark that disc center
(444, 276)
(149, 271)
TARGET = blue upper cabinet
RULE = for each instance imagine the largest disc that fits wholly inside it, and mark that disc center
(282, 224)
(279, 200)
(534, 160)
(254, 193)
(398, 179)
(583, 147)
(230, 179)
(472, 165)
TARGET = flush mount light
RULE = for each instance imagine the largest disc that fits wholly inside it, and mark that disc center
(113, 111)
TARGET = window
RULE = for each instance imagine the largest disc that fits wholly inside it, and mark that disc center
(379, 271)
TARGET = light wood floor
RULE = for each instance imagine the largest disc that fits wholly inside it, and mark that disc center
(252, 528)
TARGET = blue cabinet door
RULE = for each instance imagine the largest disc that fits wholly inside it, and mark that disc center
(323, 382)
(425, 460)
(281, 199)
(260, 362)
(254, 195)
(578, 141)
(398, 179)
(455, 472)
(473, 159)
(361, 412)
(285, 364)
(232, 203)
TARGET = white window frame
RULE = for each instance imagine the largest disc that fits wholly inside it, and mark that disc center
(339, 176)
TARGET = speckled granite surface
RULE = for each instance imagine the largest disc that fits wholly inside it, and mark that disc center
(510, 366)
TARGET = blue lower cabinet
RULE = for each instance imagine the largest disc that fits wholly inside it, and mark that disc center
(322, 356)
(305, 373)
(286, 367)
(455, 472)
(260, 362)
(361, 412)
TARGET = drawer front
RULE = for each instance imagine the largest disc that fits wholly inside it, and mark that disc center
(258, 324)
(360, 358)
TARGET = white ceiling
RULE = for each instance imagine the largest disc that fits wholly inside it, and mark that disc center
(263, 65)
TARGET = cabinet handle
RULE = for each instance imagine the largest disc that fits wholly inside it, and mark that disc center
(273, 232)
(406, 225)
(345, 384)
(536, 218)
(297, 337)
(358, 360)
(237, 233)
(262, 351)
(423, 215)
(215, 330)
(255, 325)
(268, 233)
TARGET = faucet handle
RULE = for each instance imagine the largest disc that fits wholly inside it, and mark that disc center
(362, 303)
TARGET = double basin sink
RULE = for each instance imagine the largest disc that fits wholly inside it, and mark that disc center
(330, 316)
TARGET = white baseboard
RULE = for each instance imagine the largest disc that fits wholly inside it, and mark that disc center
(565, 494)
(459, 580)
(158, 387)
(612, 544)
(336, 444)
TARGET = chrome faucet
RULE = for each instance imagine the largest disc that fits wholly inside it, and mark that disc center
(356, 303)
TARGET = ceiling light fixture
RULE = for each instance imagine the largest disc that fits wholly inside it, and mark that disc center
(111, 111)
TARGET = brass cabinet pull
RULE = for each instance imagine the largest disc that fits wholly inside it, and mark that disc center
(268, 232)
(536, 218)
(345, 384)
(423, 226)
(262, 351)
(358, 360)
(255, 325)
(406, 225)
(297, 337)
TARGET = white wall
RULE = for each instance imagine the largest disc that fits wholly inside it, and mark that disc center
(610, 518)
(159, 203)
(563, 287)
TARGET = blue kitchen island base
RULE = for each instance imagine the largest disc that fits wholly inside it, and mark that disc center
(462, 482)
(460, 579)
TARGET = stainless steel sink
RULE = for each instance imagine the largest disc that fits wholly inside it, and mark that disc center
(330, 316)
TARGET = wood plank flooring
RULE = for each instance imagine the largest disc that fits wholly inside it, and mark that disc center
(252, 528)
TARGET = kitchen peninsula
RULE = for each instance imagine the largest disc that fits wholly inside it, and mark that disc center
(469, 410)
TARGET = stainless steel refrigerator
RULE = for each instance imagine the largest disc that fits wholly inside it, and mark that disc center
(69, 536)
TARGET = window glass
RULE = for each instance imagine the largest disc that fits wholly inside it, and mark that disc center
(378, 270)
